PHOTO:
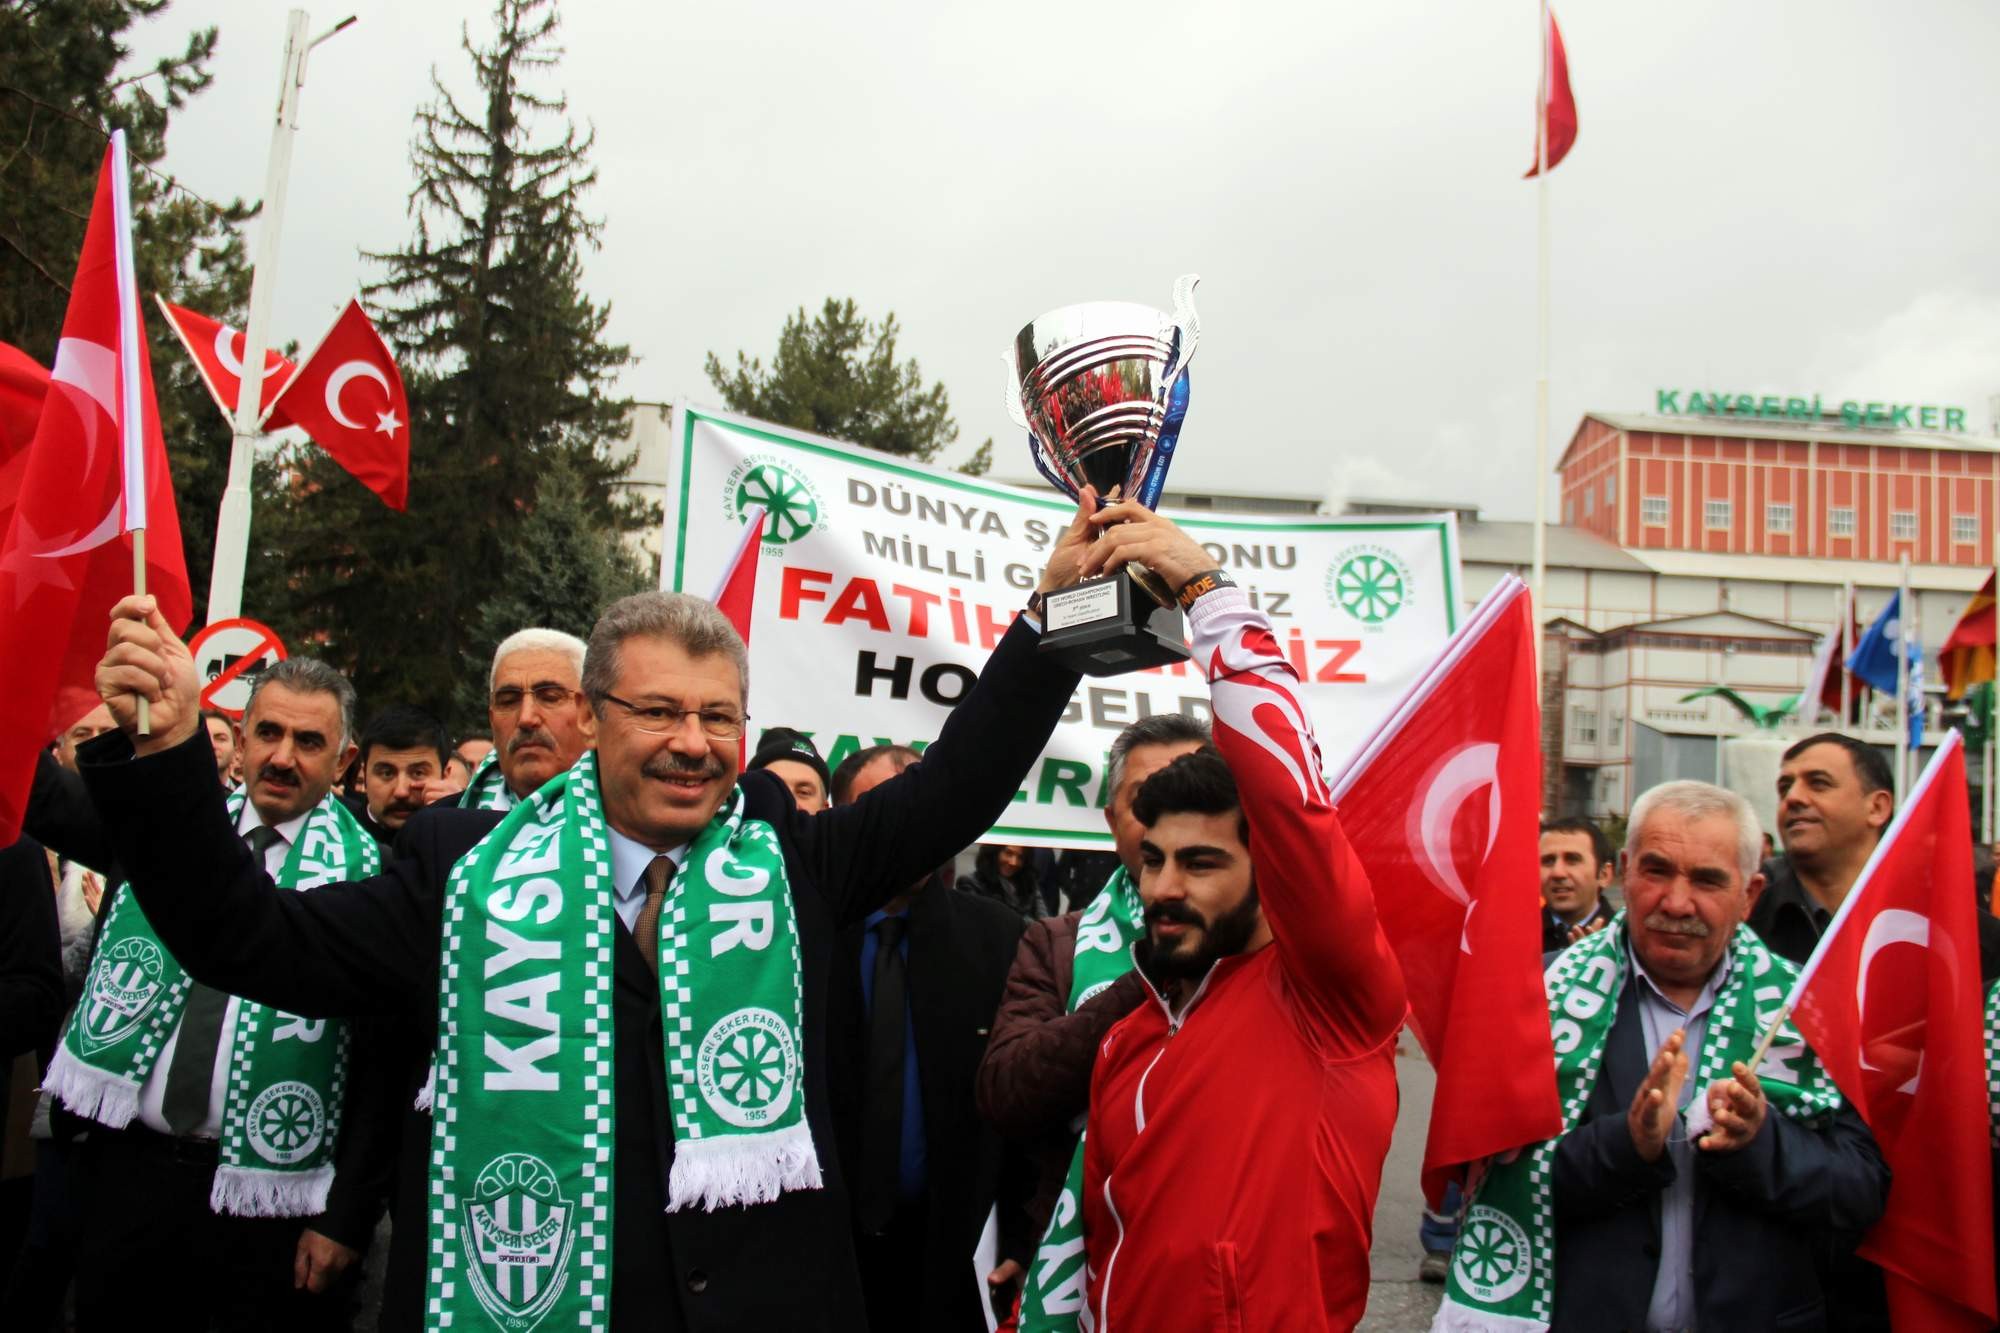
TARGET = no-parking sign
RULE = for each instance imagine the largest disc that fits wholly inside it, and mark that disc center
(227, 657)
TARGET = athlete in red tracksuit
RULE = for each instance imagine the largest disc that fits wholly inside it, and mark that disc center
(1235, 1147)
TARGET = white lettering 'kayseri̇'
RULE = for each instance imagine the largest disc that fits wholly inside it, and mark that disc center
(525, 1001)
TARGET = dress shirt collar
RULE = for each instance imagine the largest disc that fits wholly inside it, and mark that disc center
(1703, 1002)
(629, 859)
(288, 832)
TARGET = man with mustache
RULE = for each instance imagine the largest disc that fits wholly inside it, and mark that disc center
(403, 752)
(1665, 1124)
(540, 722)
(626, 973)
(216, 1120)
(1240, 1115)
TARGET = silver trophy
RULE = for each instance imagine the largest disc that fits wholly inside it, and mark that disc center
(1101, 389)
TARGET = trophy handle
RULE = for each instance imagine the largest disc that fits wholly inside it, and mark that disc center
(1186, 318)
(1010, 392)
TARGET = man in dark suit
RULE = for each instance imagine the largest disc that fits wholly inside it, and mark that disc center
(1658, 1223)
(666, 680)
(915, 991)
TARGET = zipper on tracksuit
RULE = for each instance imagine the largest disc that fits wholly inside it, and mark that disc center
(1174, 1024)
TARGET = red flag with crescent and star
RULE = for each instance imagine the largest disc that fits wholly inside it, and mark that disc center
(1892, 1004)
(217, 352)
(96, 470)
(1443, 806)
(348, 397)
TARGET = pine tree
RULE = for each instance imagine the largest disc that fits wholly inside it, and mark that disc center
(64, 86)
(508, 374)
(836, 374)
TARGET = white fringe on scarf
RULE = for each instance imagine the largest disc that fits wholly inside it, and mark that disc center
(91, 1093)
(1452, 1318)
(743, 1168)
(248, 1192)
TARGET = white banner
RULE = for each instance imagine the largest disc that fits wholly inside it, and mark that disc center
(884, 584)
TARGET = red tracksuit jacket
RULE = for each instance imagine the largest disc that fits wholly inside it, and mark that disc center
(1235, 1150)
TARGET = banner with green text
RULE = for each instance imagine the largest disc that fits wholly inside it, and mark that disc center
(884, 584)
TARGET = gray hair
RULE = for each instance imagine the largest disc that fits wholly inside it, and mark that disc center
(547, 640)
(1159, 729)
(1701, 800)
(308, 675)
(694, 625)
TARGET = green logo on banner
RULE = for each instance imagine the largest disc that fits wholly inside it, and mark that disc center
(792, 507)
(1369, 583)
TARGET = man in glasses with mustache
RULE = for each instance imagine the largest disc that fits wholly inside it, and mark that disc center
(541, 721)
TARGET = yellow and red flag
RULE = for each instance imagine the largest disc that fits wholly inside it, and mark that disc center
(1967, 655)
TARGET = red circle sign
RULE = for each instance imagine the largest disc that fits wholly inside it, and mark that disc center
(227, 657)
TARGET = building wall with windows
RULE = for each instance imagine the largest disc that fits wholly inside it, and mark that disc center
(1820, 489)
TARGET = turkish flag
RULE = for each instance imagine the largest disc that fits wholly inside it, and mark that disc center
(736, 593)
(1558, 108)
(217, 350)
(1443, 806)
(1892, 1004)
(348, 396)
(24, 383)
(96, 469)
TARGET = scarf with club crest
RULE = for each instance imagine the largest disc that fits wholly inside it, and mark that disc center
(281, 1104)
(486, 788)
(1052, 1297)
(522, 1085)
(1502, 1277)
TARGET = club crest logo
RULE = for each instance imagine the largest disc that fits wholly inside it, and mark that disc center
(1370, 583)
(124, 987)
(748, 1068)
(793, 508)
(286, 1123)
(518, 1232)
(1493, 1258)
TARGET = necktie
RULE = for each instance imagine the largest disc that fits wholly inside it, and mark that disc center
(882, 1098)
(646, 930)
(184, 1105)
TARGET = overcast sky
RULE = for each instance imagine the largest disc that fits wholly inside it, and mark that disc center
(1793, 196)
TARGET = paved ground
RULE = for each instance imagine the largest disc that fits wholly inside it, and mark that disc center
(1397, 1302)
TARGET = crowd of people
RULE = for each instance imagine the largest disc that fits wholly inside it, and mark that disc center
(623, 1023)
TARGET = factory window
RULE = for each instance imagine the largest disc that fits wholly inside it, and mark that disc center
(1715, 515)
(1583, 722)
(1653, 510)
(1840, 522)
(1903, 524)
(1610, 490)
(1965, 527)
(1778, 518)
(1589, 500)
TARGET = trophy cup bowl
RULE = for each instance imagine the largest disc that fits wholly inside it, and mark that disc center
(1101, 388)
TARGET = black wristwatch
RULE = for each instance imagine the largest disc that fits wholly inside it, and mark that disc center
(1203, 583)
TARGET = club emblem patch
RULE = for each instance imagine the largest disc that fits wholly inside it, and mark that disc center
(1493, 1257)
(286, 1123)
(518, 1233)
(748, 1068)
(124, 987)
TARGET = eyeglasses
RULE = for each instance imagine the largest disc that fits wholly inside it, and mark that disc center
(665, 719)
(508, 699)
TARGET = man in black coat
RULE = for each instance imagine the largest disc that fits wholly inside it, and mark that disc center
(373, 947)
(1657, 1226)
(923, 1168)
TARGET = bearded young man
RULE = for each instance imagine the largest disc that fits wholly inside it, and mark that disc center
(1240, 1115)
(627, 973)
(1686, 1189)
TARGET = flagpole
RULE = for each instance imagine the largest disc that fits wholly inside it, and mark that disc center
(1903, 681)
(1542, 339)
(1846, 650)
(139, 590)
(232, 525)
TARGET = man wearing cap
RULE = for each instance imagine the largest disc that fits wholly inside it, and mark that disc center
(793, 758)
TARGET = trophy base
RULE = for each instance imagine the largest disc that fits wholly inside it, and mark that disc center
(1108, 626)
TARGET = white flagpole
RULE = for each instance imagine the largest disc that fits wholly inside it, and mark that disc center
(1846, 648)
(1903, 617)
(1542, 338)
(232, 525)
(131, 407)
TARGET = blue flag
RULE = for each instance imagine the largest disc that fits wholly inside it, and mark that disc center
(1874, 658)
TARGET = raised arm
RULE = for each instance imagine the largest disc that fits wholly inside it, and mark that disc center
(342, 949)
(1315, 894)
(867, 852)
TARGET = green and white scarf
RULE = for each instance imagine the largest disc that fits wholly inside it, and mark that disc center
(487, 788)
(281, 1106)
(1052, 1298)
(1503, 1264)
(522, 1128)
(1993, 1059)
